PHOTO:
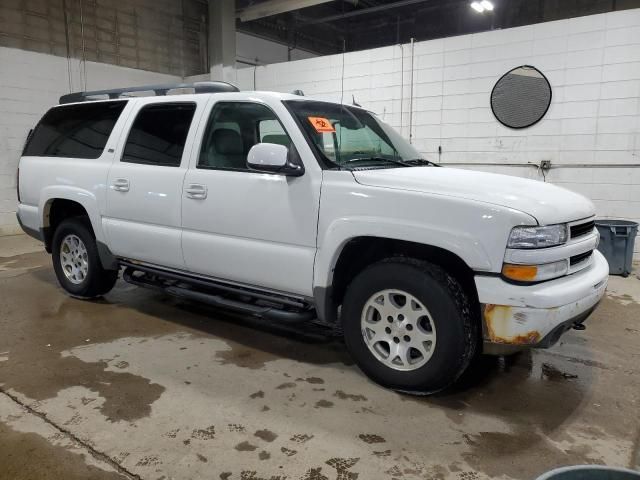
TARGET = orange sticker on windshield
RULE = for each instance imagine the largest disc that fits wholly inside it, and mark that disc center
(321, 124)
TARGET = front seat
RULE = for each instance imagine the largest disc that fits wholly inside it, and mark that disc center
(228, 149)
(278, 139)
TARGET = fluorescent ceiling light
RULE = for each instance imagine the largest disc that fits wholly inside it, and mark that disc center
(477, 6)
(487, 5)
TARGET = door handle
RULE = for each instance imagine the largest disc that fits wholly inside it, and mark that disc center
(120, 185)
(196, 191)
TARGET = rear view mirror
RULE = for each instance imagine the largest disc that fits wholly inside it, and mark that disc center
(273, 158)
(350, 123)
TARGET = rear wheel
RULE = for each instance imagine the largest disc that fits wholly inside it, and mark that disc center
(409, 326)
(76, 261)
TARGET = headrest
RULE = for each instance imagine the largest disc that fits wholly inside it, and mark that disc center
(227, 142)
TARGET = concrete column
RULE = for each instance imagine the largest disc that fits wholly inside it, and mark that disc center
(222, 40)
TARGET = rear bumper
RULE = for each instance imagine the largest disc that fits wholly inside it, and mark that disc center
(27, 219)
(537, 315)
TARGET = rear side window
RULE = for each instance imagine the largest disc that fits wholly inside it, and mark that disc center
(158, 134)
(76, 131)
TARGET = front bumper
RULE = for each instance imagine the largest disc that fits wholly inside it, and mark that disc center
(537, 315)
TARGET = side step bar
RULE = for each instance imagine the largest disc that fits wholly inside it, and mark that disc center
(271, 307)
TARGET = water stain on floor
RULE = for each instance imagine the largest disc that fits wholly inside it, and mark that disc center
(20, 264)
(489, 450)
(245, 447)
(323, 404)
(37, 329)
(312, 380)
(551, 372)
(349, 396)
(371, 438)
(526, 402)
(46, 325)
(266, 435)
(27, 456)
(301, 437)
(208, 433)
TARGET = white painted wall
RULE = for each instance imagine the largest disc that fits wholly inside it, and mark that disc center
(592, 62)
(260, 51)
(31, 83)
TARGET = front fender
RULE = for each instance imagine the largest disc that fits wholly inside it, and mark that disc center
(342, 230)
(474, 231)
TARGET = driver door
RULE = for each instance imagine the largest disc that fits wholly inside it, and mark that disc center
(240, 225)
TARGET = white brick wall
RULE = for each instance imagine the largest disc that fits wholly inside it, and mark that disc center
(30, 83)
(592, 62)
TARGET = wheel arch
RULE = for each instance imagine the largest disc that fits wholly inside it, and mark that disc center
(56, 209)
(359, 252)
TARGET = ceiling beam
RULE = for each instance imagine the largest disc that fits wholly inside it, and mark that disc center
(363, 11)
(275, 7)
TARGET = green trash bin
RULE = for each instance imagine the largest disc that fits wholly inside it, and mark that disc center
(617, 238)
(590, 472)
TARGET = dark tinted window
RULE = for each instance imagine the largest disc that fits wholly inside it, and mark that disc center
(78, 131)
(158, 134)
(235, 127)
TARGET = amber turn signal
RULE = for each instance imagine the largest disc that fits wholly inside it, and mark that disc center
(520, 273)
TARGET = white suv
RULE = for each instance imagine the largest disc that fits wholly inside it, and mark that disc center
(294, 209)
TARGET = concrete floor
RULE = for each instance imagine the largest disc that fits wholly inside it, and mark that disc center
(141, 385)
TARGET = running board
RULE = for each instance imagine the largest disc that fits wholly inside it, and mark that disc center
(230, 298)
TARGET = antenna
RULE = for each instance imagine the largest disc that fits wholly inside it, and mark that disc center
(344, 48)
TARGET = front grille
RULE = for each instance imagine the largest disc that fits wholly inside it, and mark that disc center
(576, 259)
(582, 229)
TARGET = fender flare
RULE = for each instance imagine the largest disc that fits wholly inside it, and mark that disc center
(89, 202)
(342, 230)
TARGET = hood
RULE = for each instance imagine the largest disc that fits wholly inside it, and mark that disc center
(548, 203)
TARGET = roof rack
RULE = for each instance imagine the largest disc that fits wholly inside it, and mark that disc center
(198, 87)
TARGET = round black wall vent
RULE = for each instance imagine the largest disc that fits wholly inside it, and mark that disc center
(521, 97)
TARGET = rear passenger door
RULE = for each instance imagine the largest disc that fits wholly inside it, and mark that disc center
(144, 190)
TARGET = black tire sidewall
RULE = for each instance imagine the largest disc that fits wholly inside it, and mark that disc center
(447, 361)
(87, 288)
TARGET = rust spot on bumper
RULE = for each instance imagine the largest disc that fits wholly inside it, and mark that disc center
(499, 321)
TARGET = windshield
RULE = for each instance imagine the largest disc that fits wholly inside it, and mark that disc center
(351, 137)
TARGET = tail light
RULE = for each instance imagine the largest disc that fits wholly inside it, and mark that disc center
(24, 148)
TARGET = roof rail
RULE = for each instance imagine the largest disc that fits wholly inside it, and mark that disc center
(199, 87)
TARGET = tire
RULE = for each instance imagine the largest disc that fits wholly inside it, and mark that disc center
(89, 279)
(439, 323)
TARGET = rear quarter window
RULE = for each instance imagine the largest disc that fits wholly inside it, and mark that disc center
(76, 131)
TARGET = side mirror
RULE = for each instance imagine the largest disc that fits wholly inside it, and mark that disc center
(273, 158)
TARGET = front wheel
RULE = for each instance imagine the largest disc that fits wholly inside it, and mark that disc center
(76, 261)
(409, 325)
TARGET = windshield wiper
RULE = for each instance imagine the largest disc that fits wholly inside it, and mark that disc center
(375, 159)
(421, 161)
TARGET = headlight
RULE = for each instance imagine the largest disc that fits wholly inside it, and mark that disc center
(535, 273)
(537, 237)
